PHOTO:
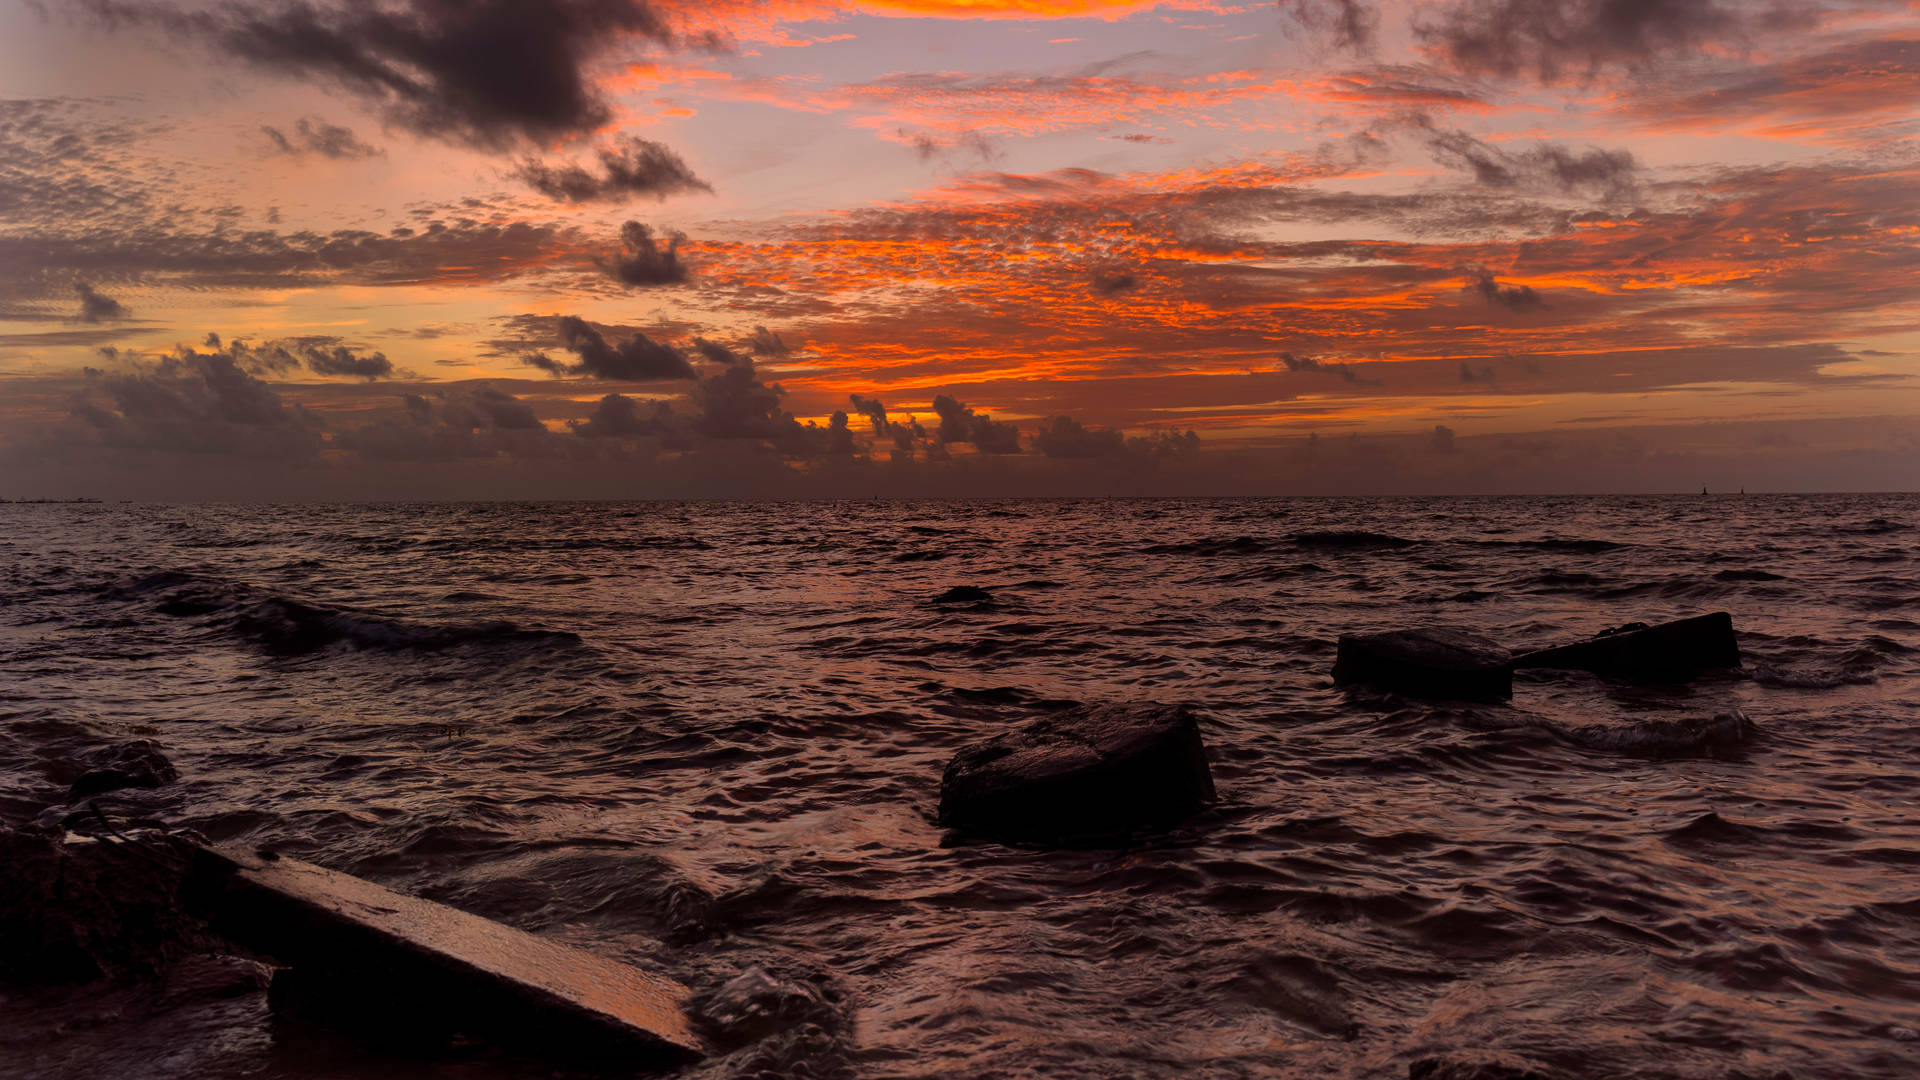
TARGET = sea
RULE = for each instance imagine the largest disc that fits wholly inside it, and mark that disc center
(707, 738)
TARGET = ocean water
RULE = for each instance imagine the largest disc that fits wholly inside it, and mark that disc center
(707, 738)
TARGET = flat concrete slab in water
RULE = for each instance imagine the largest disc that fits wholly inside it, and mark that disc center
(500, 982)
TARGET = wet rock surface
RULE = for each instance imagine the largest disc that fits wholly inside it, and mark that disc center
(1440, 664)
(1089, 774)
(1670, 652)
(136, 764)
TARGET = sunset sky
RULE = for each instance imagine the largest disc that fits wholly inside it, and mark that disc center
(605, 248)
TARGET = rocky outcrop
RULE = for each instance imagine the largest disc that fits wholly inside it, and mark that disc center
(129, 765)
(78, 908)
(1094, 773)
(1669, 652)
(1443, 664)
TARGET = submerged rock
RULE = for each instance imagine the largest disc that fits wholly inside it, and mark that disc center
(1664, 736)
(1094, 772)
(132, 764)
(964, 594)
(755, 1005)
(1636, 652)
(1445, 664)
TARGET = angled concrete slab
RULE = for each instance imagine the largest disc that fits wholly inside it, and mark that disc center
(442, 967)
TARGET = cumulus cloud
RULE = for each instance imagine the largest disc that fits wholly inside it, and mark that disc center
(958, 423)
(192, 402)
(1440, 440)
(630, 167)
(1065, 437)
(1511, 297)
(312, 135)
(618, 416)
(873, 409)
(477, 421)
(96, 306)
(486, 73)
(1562, 40)
(637, 358)
(645, 261)
(1344, 372)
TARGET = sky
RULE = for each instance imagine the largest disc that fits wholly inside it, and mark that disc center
(418, 249)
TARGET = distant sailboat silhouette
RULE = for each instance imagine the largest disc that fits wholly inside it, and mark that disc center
(1703, 489)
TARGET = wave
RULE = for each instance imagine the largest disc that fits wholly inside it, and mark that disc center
(1351, 538)
(1577, 547)
(286, 626)
(1660, 738)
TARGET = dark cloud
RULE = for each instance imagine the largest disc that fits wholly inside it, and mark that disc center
(1347, 24)
(1113, 282)
(644, 261)
(958, 423)
(621, 417)
(1470, 376)
(1511, 297)
(838, 440)
(312, 135)
(486, 73)
(474, 421)
(874, 410)
(1342, 371)
(1607, 173)
(630, 167)
(192, 402)
(767, 343)
(733, 403)
(1440, 441)
(1065, 437)
(1563, 40)
(331, 359)
(96, 306)
(639, 358)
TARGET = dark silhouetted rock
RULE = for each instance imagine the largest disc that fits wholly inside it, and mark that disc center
(1434, 1068)
(964, 594)
(1092, 773)
(1669, 652)
(78, 908)
(363, 955)
(134, 764)
(1445, 664)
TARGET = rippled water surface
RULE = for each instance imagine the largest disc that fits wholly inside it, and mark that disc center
(708, 737)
